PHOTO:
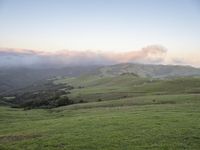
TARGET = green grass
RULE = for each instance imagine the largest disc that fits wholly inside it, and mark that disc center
(120, 112)
(110, 88)
(148, 122)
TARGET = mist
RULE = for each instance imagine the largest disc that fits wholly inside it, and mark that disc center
(32, 58)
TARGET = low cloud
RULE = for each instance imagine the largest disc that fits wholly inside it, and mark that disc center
(26, 57)
(147, 54)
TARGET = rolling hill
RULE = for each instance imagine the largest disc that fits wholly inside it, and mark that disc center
(153, 71)
(17, 78)
(124, 106)
(92, 83)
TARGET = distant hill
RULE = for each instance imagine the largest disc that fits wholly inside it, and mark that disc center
(153, 71)
(16, 78)
(12, 79)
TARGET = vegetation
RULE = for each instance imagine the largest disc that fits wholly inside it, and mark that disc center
(127, 85)
(106, 109)
(46, 95)
(169, 122)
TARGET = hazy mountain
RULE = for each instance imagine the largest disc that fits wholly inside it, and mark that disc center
(16, 78)
(146, 70)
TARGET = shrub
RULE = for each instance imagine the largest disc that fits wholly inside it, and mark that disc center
(63, 101)
(99, 100)
(81, 101)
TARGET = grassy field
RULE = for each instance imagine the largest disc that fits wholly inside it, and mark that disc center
(146, 122)
(95, 88)
(119, 112)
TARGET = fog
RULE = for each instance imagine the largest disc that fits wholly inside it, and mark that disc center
(10, 57)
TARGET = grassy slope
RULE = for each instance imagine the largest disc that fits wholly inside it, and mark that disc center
(108, 88)
(156, 114)
(148, 122)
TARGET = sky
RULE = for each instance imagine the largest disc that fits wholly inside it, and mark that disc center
(103, 26)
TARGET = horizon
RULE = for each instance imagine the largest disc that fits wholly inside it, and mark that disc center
(100, 32)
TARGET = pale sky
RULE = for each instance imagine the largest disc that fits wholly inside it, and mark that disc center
(102, 25)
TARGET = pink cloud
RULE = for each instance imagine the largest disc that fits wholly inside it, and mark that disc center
(149, 54)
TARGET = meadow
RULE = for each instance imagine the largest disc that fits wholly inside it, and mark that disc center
(98, 88)
(110, 113)
(147, 122)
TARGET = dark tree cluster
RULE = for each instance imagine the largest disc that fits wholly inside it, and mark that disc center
(46, 95)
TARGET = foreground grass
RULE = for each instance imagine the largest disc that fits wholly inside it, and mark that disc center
(148, 122)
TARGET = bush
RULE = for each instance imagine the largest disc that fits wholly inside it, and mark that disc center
(81, 101)
(36, 103)
(63, 101)
(99, 100)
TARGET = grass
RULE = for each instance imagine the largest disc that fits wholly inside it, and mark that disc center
(145, 122)
(119, 112)
(110, 88)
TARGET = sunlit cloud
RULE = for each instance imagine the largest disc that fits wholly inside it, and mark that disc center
(154, 54)
(147, 54)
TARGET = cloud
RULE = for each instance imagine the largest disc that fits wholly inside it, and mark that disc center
(26, 57)
(147, 54)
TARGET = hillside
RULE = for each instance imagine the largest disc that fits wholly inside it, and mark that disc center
(148, 122)
(153, 71)
(12, 79)
(35, 87)
(107, 108)
(95, 88)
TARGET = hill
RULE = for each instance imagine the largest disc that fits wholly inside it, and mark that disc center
(99, 88)
(12, 79)
(153, 71)
(110, 107)
(22, 86)
(147, 122)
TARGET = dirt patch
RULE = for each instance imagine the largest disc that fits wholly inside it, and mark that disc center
(13, 138)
